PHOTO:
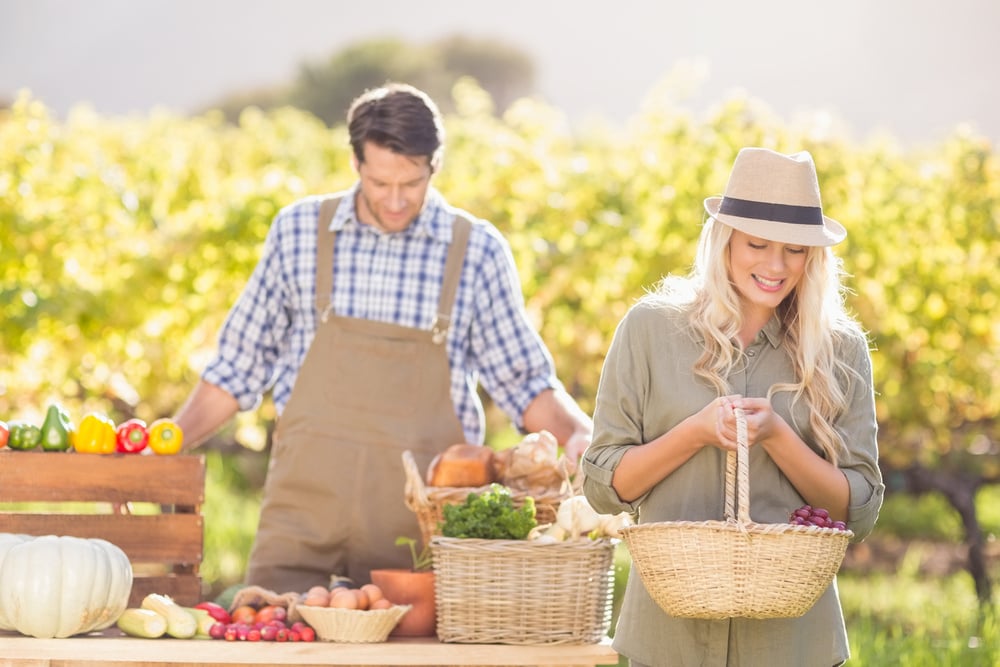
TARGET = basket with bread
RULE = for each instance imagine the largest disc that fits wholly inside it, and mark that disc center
(532, 468)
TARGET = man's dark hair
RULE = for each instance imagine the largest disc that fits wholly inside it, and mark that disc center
(399, 117)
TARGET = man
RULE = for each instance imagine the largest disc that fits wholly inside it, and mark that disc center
(373, 315)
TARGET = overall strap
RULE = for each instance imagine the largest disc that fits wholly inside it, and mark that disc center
(449, 286)
(452, 273)
(324, 255)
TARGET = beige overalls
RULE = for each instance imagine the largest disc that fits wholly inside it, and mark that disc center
(366, 391)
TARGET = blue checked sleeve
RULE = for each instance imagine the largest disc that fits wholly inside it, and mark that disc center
(251, 339)
(513, 362)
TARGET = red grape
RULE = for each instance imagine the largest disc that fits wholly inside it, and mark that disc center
(815, 516)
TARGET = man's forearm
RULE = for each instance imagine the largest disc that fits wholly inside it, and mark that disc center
(205, 411)
(555, 411)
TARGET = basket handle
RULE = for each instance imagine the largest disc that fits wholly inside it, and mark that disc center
(738, 474)
(415, 494)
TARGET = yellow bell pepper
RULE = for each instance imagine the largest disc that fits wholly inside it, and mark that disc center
(95, 435)
(165, 436)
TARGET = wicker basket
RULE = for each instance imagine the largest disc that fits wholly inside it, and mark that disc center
(735, 568)
(428, 502)
(352, 625)
(523, 592)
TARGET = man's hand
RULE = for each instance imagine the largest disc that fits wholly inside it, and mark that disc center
(576, 445)
(555, 411)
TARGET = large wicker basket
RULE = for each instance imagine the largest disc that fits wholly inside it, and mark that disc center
(523, 592)
(427, 502)
(735, 568)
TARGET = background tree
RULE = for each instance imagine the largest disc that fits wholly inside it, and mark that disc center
(327, 88)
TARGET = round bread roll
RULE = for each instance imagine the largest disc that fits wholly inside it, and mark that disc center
(462, 465)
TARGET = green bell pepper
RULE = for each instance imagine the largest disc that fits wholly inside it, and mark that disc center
(56, 429)
(23, 435)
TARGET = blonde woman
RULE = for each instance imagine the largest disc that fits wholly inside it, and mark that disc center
(759, 324)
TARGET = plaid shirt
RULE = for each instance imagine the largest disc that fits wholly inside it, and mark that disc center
(392, 278)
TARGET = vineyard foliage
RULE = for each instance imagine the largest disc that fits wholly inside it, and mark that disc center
(124, 241)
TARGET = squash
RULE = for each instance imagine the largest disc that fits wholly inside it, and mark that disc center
(8, 540)
(59, 586)
(180, 623)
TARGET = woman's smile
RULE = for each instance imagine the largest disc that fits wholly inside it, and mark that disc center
(764, 273)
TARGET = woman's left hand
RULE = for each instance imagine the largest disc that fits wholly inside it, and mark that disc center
(762, 421)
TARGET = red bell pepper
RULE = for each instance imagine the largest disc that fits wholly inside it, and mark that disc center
(4, 434)
(216, 611)
(131, 436)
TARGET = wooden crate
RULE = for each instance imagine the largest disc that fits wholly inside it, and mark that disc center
(89, 495)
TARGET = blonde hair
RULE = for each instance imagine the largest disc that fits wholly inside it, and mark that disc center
(813, 319)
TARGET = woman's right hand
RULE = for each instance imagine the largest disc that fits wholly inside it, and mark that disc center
(717, 424)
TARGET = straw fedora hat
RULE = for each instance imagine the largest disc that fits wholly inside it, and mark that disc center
(775, 197)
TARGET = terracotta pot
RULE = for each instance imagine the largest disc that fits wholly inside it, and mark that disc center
(414, 588)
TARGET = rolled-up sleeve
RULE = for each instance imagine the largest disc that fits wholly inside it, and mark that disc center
(599, 470)
(859, 429)
(617, 422)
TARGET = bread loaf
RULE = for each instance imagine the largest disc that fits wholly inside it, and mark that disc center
(462, 465)
(533, 465)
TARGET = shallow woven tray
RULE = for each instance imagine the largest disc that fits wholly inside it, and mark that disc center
(427, 502)
(523, 592)
(736, 567)
(352, 625)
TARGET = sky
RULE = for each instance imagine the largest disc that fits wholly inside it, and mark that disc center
(916, 69)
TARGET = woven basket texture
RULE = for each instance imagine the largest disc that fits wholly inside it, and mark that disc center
(428, 502)
(523, 592)
(353, 625)
(736, 567)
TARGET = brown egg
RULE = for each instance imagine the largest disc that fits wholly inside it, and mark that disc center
(374, 593)
(321, 599)
(317, 596)
(381, 603)
(343, 599)
(361, 597)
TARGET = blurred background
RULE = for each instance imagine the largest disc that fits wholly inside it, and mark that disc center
(146, 145)
(913, 68)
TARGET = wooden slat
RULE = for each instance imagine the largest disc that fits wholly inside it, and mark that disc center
(158, 538)
(185, 589)
(115, 478)
(165, 549)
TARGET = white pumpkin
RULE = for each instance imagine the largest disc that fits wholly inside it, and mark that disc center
(59, 586)
(7, 540)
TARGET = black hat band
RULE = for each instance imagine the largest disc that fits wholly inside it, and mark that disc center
(758, 210)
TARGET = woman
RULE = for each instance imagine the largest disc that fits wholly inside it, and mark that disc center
(759, 324)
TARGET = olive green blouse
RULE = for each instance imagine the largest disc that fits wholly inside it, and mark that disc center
(646, 388)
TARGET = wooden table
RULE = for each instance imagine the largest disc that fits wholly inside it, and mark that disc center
(99, 651)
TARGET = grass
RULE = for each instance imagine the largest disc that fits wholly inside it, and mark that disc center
(908, 620)
(231, 509)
